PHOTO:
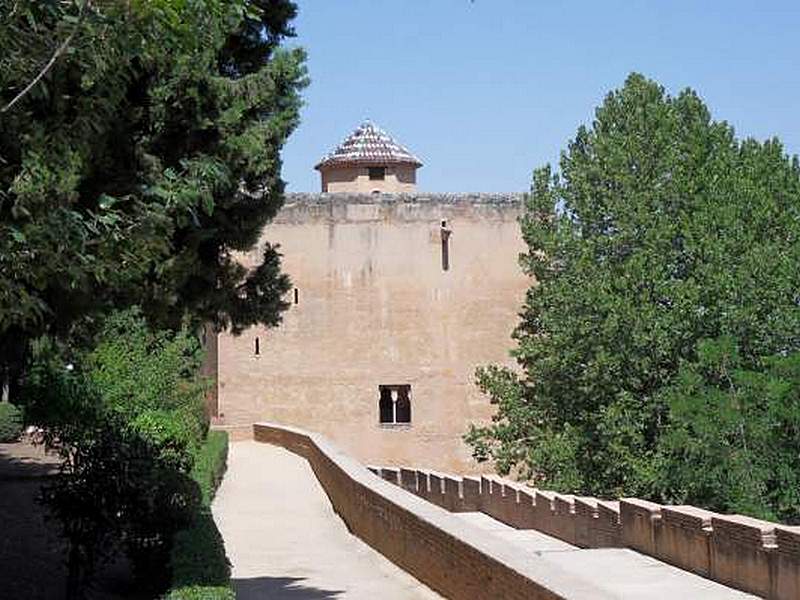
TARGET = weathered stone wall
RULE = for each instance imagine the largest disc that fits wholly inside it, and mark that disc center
(209, 368)
(375, 307)
(755, 556)
(451, 556)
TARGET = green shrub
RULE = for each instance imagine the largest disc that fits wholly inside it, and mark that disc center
(127, 424)
(200, 569)
(10, 422)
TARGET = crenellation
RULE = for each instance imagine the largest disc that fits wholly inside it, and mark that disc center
(742, 552)
(685, 538)
(564, 518)
(744, 529)
(787, 563)
(354, 208)
(453, 493)
(471, 489)
(585, 516)
(416, 198)
(608, 528)
(544, 510)
(527, 511)
(453, 557)
(642, 521)
(436, 483)
(408, 479)
(390, 474)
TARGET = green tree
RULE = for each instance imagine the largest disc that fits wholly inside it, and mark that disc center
(139, 150)
(662, 229)
(733, 439)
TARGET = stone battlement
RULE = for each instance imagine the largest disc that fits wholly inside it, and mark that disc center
(500, 198)
(755, 556)
(347, 207)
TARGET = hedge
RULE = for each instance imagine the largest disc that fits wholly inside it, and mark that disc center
(200, 569)
(10, 422)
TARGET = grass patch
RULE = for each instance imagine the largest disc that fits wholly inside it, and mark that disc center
(200, 569)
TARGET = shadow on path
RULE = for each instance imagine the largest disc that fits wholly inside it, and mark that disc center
(32, 551)
(280, 588)
(21, 461)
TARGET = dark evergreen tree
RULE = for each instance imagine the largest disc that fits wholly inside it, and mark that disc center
(139, 151)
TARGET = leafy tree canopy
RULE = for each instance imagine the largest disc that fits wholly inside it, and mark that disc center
(662, 230)
(733, 439)
(143, 156)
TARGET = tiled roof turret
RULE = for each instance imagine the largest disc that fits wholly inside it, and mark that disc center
(369, 145)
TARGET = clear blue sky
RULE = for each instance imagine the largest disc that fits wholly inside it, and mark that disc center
(485, 91)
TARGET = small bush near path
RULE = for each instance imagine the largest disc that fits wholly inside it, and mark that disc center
(10, 422)
(200, 569)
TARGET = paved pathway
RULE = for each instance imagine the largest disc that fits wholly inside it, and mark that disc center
(285, 541)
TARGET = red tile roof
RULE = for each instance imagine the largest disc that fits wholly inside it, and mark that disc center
(369, 145)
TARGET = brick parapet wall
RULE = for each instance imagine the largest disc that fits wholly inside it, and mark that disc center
(748, 554)
(451, 556)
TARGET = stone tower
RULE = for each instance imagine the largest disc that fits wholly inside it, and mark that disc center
(369, 161)
(398, 297)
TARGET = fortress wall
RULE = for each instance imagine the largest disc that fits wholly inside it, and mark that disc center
(755, 556)
(374, 308)
(450, 555)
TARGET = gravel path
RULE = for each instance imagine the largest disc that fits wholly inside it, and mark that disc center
(285, 541)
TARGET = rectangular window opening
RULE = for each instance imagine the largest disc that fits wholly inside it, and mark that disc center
(377, 173)
(394, 404)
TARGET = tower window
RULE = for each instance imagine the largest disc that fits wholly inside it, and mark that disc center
(394, 404)
(377, 173)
